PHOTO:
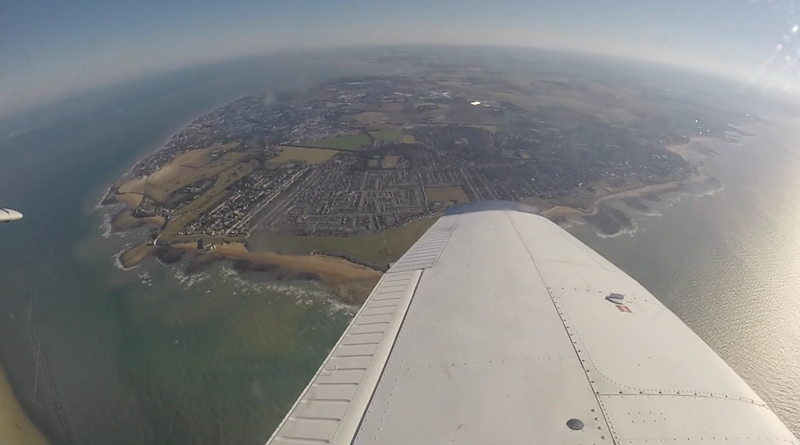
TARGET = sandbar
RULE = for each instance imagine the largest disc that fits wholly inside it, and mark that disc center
(125, 220)
(133, 256)
(564, 211)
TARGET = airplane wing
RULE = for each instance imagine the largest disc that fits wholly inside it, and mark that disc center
(8, 215)
(499, 327)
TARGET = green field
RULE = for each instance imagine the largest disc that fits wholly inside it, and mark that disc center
(350, 143)
(371, 248)
(311, 156)
(387, 135)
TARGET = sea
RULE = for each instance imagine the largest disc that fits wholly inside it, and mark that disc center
(97, 354)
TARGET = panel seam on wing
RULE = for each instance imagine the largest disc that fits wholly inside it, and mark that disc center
(599, 402)
(642, 391)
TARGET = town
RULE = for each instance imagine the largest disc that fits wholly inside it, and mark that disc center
(358, 156)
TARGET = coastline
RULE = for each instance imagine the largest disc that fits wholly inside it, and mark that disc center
(560, 212)
(639, 192)
(112, 189)
(334, 270)
(351, 282)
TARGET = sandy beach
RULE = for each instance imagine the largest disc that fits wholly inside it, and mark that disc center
(15, 427)
(131, 200)
(685, 150)
(563, 211)
(332, 270)
(125, 220)
(352, 282)
(133, 256)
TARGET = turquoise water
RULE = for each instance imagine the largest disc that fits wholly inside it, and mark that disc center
(146, 355)
(151, 355)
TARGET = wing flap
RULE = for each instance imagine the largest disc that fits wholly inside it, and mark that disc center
(332, 405)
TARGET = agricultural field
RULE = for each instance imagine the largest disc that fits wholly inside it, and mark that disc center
(354, 142)
(377, 249)
(311, 156)
(447, 194)
(387, 135)
(390, 161)
(207, 200)
(189, 168)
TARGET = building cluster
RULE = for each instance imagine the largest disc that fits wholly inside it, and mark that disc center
(354, 193)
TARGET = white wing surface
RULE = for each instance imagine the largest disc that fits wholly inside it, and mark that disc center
(499, 327)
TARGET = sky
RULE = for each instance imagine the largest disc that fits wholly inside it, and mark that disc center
(50, 49)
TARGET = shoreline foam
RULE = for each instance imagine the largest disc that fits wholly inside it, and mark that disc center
(351, 282)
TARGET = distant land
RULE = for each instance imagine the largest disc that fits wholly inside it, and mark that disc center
(337, 182)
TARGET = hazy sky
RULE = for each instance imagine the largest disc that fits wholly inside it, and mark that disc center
(52, 48)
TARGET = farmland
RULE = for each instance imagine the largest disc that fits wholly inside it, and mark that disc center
(311, 156)
(354, 142)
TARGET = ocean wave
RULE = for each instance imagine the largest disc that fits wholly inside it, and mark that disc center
(336, 307)
(308, 293)
(711, 192)
(189, 280)
(653, 212)
(145, 278)
(100, 205)
(634, 227)
(105, 226)
(571, 222)
(107, 213)
(118, 263)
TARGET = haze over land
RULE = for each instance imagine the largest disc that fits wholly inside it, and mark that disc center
(70, 47)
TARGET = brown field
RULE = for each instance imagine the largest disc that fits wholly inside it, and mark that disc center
(354, 141)
(135, 185)
(131, 200)
(377, 249)
(189, 168)
(125, 220)
(445, 194)
(390, 161)
(332, 270)
(610, 105)
(133, 256)
(371, 117)
(393, 107)
(311, 156)
(409, 139)
(207, 200)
